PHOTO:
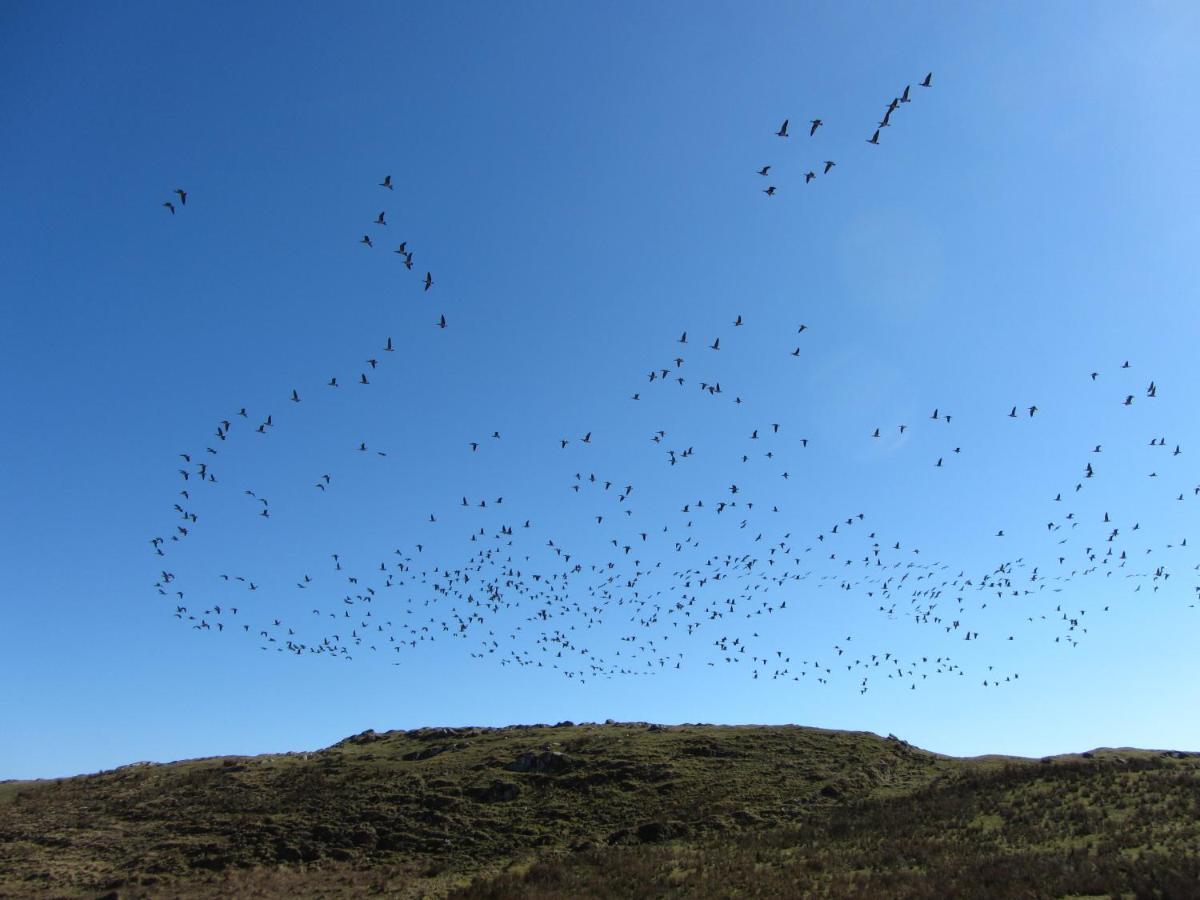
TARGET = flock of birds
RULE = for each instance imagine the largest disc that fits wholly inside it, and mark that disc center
(828, 165)
(647, 594)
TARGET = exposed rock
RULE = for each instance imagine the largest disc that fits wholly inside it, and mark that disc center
(430, 752)
(496, 792)
(549, 761)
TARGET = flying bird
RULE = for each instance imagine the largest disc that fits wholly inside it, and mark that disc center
(782, 132)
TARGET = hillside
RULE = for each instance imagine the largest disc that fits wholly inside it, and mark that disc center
(611, 810)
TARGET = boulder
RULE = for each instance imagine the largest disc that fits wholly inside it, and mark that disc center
(496, 792)
(548, 761)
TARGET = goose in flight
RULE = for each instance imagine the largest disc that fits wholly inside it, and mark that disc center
(782, 132)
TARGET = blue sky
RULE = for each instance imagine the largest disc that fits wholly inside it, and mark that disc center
(581, 181)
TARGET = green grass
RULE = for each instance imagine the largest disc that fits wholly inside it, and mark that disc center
(611, 810)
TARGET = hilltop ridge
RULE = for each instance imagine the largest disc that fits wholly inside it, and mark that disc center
(612, 809)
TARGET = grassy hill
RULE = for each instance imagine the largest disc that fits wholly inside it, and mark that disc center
(612, 810)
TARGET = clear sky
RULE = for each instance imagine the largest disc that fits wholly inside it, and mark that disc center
(581, 181)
